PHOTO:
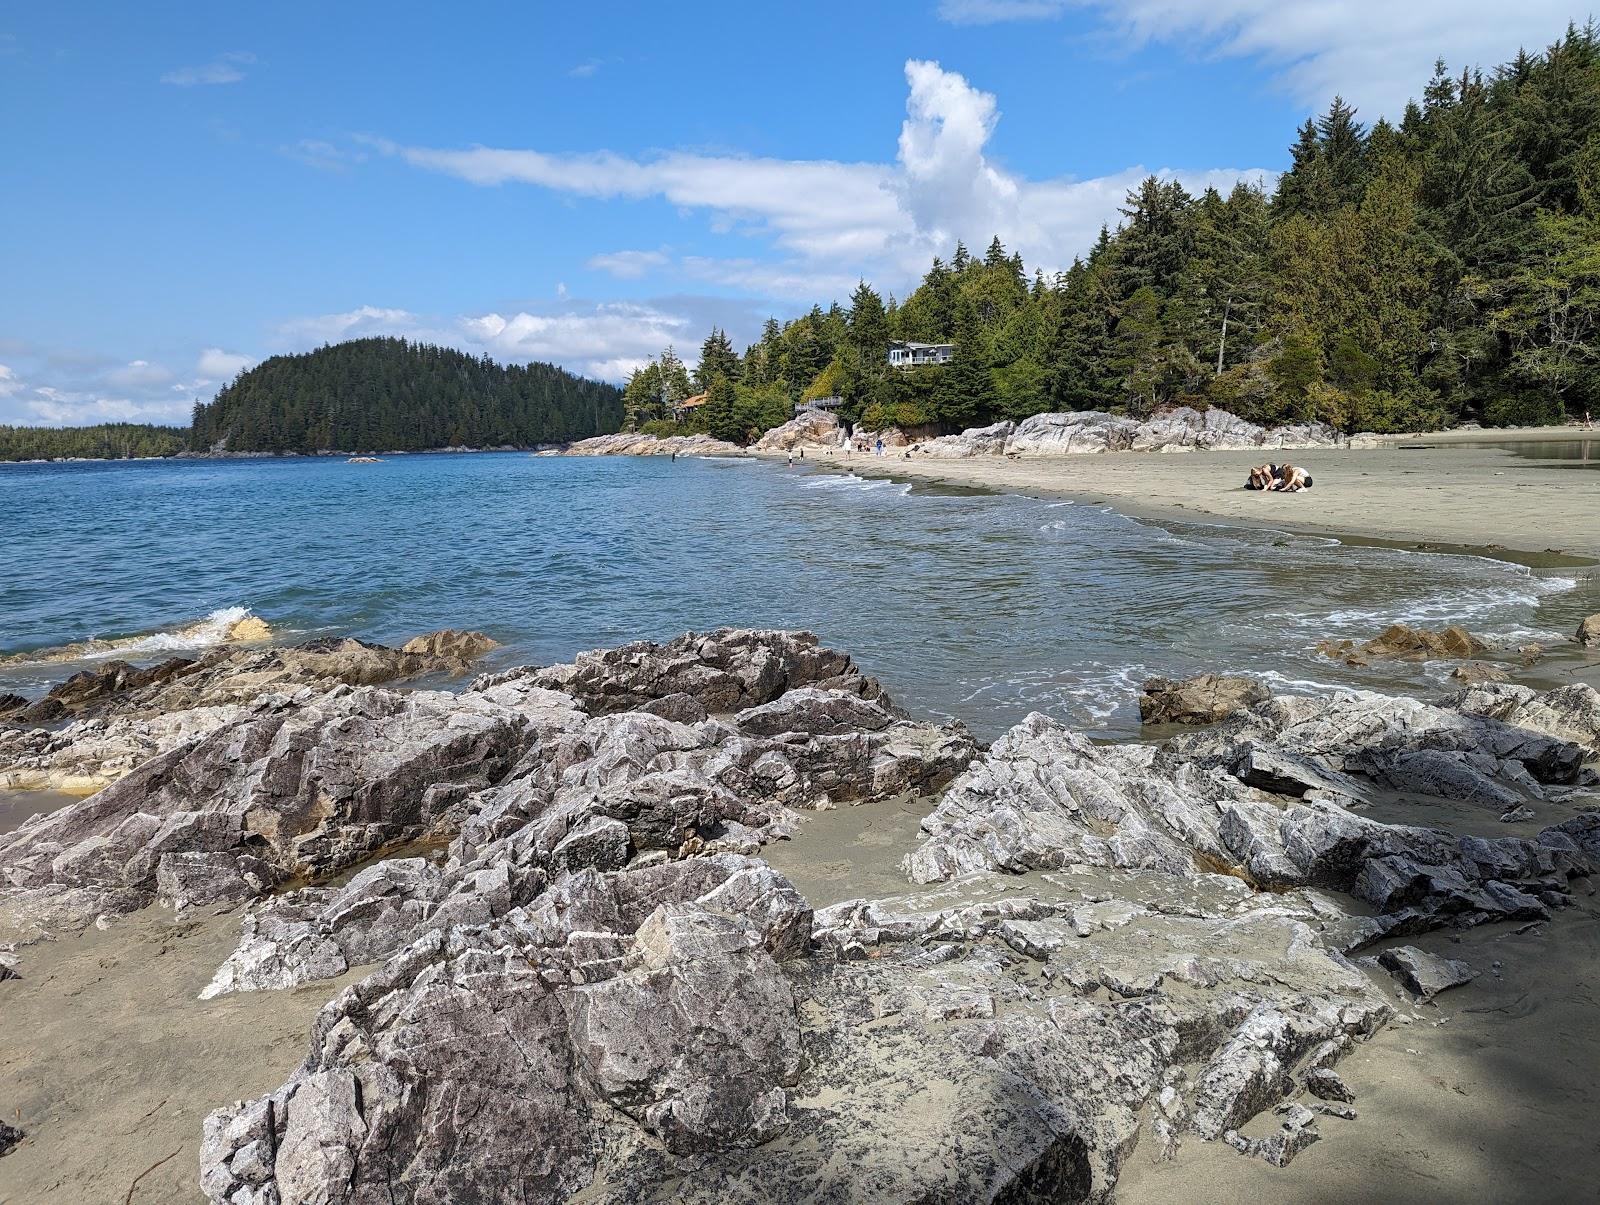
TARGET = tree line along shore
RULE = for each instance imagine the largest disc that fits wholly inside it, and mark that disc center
(1400, 276)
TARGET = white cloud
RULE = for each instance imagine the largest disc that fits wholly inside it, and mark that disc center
(224, 69)
(68, 408)
(9, 382)
(1376, 53)
(352, 324)
(628, 265)
(138, 374)
(214, 363)
(833, 222)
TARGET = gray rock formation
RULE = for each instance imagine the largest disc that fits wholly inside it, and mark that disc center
(628, 443)
(1180, 429)
(587, 952)
(1203, 700)
(10, 1137)
(1423, 973)
(808, 429)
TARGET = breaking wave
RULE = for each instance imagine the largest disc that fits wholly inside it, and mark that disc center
(229, 624)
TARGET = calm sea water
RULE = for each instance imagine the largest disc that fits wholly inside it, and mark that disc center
(978, 606)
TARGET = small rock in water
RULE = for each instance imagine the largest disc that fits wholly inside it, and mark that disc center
(1516, 815)
(1203, 700)
(1425, 974)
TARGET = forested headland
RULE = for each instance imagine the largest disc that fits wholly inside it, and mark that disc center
(385, 394)
(1397, 277)
(105, 441)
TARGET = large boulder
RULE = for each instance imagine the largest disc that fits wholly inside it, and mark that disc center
(1067, 434)
(808, 429)
(1402, 641)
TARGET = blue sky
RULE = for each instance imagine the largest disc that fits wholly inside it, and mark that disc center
(192, 187)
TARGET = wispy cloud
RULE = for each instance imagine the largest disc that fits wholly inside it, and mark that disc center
(318, 153)
(588, 68)
(1375, 53)
(628, 265)
(224, 69)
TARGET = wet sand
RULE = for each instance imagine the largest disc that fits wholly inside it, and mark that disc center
(1437, 490)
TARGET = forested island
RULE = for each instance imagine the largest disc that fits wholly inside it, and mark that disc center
(104, 441)
(1399, 277)
(385, 394)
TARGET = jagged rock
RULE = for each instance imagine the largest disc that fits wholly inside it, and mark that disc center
(1570, 713)
(10, 1136)
(975, 441)
(288, 792)
(1400, 640)
(1588, 633)
(1202, 700)
(86, 755)
(233, 676)
(1297, 1131)
(1068, 434)
(724, 671)
(10, 705)
(449, 645)
(628, 443)
(808, 429)
(1423, 973)
(1326, 1084)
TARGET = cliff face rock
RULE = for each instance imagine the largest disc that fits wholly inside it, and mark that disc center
(809, 429)
(629, 443)
(1099, 947)
(1589, 632)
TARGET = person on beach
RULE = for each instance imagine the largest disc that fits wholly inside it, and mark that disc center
(879, 448)
(791, 460)
(1283, 478)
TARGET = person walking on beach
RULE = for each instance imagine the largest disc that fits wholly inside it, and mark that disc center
(879, 446)
(791, 460)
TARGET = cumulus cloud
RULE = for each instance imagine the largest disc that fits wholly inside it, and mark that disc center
(224, 69)
(1375, 53)
(216, 364)
(832, 222)
(9, 383)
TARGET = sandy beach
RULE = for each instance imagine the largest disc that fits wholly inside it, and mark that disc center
(1446, 489)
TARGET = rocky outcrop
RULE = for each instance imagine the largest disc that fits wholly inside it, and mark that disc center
(975, 441)
(586, 949)
(1203, 700)
(1588, 633)
(723, 672)
(10, 1138)
(1180, 429)
(1400, 640)
(1267, 796)
(808, 429)
(629, 443)
(232, 675)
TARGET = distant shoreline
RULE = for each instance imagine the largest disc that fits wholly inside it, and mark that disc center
(1472, 495)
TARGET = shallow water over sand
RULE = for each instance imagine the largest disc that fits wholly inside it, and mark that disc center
(974, 605)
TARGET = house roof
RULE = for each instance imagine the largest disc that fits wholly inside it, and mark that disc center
(689, 403)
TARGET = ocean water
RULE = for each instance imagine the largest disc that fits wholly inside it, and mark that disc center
(979, 606)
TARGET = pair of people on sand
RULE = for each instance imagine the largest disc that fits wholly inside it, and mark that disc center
(1286, 478)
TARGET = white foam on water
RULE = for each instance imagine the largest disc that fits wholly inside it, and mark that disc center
(849, 482)
(205, 633)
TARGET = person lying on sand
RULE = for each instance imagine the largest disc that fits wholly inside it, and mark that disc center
(1282, 477)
